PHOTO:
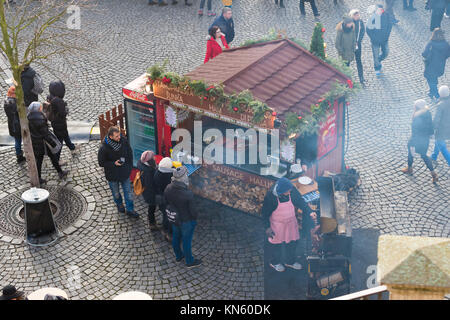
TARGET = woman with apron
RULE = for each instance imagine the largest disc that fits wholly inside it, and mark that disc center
(279, 214)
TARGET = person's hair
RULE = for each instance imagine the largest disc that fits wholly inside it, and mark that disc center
(437, 35)
(212, 31)
(225, 10)
(112, 130)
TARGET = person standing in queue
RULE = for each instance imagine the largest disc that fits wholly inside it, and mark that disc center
(180, 199)
(162, 179)
(10, 107)
(226, 24)
(279, 215)
(146, 164)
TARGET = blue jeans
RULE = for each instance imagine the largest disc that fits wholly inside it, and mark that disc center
(440, 146)
(18, 146)
(126, 186)
(185, 233)
(377, 58)
(432, 83)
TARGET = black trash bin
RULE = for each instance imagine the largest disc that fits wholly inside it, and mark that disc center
(40, 226)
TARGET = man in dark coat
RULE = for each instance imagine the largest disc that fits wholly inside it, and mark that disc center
(116, 157)
(435, 55)
(226, 24)
(280, 194)
(360, 31)
(379, 28)
(421, 130)
(437, 8)
(27, 79)
(39, 133)
(180, 199)
(441, 124)
(10, 107)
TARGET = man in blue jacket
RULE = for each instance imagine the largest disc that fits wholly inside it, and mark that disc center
(378, 29)
(226, 24)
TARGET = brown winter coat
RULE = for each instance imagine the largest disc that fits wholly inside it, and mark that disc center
(345, 42)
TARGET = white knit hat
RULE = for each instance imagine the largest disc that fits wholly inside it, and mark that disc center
(444, 91)
(353, 12)
(165, 163)
(420, 104)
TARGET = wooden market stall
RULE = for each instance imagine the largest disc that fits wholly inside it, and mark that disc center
(414, 268)
(283, 81)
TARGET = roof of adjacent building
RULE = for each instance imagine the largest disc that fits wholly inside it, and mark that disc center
(414, 261)
(279, 73)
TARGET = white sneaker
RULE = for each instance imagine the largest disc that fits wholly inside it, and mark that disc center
(296, 266)
(278, 267)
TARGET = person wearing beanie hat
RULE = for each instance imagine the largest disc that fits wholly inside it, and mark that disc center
(441, 124)
(146, 164)
(435, 56)
(180, 199)
(279, 216)
(10, 107)
(360, 31)
(346, 40)
(421, 130)
(162, 178)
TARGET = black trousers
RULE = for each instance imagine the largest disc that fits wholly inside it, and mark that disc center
(276, 252)
(40, 159)
(65, 138)
(313, 7)
(436, 18)
(405, 4)
(424, 157)
(359, 65)
(151, 214)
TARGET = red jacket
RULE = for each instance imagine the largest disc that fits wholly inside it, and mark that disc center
(214, 49)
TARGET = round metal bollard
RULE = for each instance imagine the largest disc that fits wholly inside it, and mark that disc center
(40, 226)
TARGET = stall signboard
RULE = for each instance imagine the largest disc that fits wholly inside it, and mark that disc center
(243, 176)
(328, 132)
(136, 96)
(207, 107)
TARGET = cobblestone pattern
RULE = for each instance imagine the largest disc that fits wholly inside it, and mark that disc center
(115, 253)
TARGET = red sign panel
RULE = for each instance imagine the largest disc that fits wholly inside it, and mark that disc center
(133, 95)
(328, 132)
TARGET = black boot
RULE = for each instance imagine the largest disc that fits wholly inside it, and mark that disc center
(21, 159)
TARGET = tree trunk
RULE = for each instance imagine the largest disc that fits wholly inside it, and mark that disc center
(26, 138)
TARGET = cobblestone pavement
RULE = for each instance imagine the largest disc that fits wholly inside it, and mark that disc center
(115, 253)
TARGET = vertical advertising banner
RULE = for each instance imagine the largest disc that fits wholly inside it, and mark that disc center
(328, 132)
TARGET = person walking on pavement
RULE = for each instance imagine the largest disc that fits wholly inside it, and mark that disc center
(379, 28)
(313, 7)
(437, 8)
(390, 11)
(146, 164)
(39, 133)
(226, 24)
(180, 199)
(441, 124)
(202, 5)
(360, 31)
(162, 179)
(435, 56)
(346, 40)
(27, 79)
(58, 118)
(116, 158)
(10, 107)
(421, 130)
(215, 43)
(279, 216)
(409, 5)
